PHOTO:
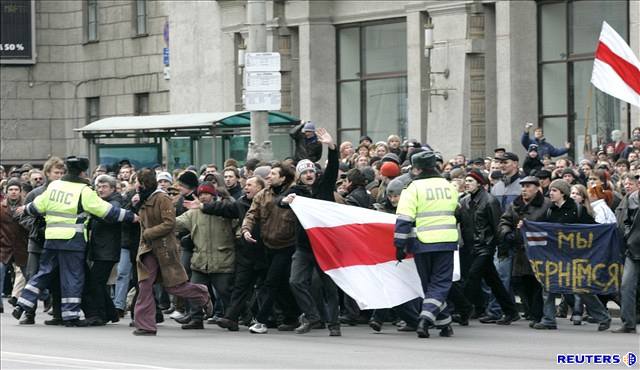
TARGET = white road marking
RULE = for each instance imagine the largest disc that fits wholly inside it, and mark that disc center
(28, 356)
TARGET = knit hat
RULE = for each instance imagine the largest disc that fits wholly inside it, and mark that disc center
(568, 171)
(395, 187)
(164, 176)
(390, 170)
(562, 186)
(188, 179)
(305, 165)
(478, 176)
(262, 171)
(363, 138)
(14, 181)
(533, 147)
(391, 157)
(207, 187)
(309, 126)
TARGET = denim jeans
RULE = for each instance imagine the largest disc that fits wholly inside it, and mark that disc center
(595, 307)
(628, 292)
(504, 267)
(122, 280)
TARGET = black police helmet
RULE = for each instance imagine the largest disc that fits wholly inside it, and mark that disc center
(424, 159)
(80, 164)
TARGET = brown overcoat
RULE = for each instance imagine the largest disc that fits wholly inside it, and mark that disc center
(13, 237)
(157, 236)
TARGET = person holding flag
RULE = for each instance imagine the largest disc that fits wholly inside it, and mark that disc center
(429, 205)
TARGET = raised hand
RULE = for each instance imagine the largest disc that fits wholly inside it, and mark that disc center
(323, 136)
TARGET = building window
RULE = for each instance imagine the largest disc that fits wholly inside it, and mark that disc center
(141, 17)
(372, 80)
(568, 33)
(92, 20)
(93, 109)
(141, 104)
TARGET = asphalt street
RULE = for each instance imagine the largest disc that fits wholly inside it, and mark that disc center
(476, 346)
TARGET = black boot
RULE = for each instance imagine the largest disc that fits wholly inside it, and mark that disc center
(76, 323)
(56, 321)
(29, 319)
(17, 312)
(447, 331)
(423, 328)
(193, 324)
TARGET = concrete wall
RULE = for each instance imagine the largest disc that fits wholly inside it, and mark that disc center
(43, 103)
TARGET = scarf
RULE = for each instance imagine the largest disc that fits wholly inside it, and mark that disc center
(145, 194)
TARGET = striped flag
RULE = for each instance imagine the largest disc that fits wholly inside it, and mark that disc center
(354, 246)
(536, 238)
(616, 69)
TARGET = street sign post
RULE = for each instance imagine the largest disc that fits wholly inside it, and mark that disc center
(262, 82)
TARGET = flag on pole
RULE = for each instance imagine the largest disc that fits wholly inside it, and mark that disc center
(354, 246)
(616, 70)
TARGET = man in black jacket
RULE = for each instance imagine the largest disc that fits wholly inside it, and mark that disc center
(629, 223)
(303, 264)
(479, 215)
(565, 210)
(103, 252)
(530, 205)
(307, 144)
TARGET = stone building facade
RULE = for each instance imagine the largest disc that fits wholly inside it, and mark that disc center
(80, 75)
(355, 67)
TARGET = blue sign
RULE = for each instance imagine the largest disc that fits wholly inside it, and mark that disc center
(165, 56)
(574, 258)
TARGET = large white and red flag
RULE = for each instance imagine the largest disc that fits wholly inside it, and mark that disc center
(354, 246)
(616, 70)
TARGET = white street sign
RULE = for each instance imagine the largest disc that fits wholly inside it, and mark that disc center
(262, 81)
(262, 62)
(262, 100)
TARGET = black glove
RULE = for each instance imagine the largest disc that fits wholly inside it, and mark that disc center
(400, 254)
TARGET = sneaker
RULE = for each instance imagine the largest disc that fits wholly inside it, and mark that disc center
(334, 331)
(605, 325)
(142, 332)
(258, 328)
(407, 328)
(508, 319)
(623, 330)
(169, 310)
(488, 319)
(305, 327)
(228, 324)
(193, 324)
(213, 320)
(177, 315)
(56, 321)
(375, 325)
(541, 326)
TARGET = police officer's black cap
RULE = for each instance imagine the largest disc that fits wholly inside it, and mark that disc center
(79, 163)
(530, 180)
(424, 159)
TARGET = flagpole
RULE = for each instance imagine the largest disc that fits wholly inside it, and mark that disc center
(587, 138)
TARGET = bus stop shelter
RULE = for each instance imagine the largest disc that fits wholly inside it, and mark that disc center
(180, 139)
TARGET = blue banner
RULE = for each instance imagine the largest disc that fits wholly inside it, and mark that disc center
(574, 258)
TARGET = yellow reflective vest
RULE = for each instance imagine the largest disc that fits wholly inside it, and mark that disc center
(431, 204)
(66, 207)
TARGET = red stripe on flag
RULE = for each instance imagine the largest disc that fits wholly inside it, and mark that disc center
(628, 72)
(536, 238)
(353, 244)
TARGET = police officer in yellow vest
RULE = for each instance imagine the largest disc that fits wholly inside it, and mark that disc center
(426, 227)
(66, 206)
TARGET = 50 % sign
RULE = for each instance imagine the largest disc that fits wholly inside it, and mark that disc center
(11, 47)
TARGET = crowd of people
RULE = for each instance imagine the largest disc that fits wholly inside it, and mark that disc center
(222, 246)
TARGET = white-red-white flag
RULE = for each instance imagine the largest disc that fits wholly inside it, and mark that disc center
(354, 246)
(616, 70)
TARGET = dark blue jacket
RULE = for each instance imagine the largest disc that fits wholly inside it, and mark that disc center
(544, 148)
